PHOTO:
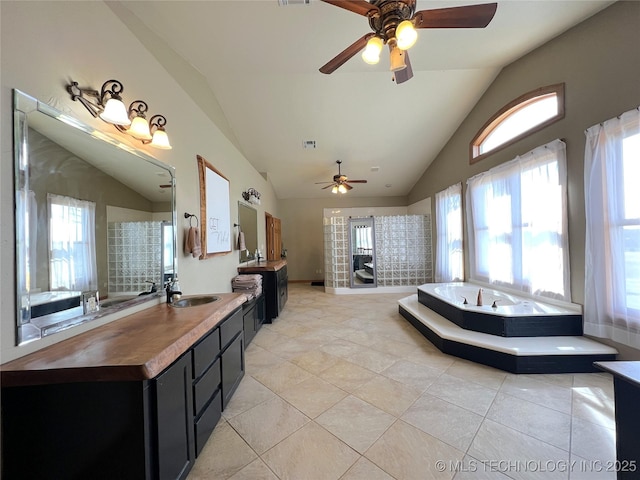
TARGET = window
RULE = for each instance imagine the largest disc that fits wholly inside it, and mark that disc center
(518, 222)
(612, 208)
(449, 254)
(519, 118)
(72, 245)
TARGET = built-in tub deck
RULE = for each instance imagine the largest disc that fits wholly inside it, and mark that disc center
(549, 354)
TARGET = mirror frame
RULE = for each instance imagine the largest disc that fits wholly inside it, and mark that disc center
(251, 242)
(23, 106)
(370, 222)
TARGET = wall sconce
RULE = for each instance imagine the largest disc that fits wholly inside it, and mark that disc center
(252, 196)
(108, 105)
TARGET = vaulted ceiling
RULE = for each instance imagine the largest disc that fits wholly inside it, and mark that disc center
(260, 60)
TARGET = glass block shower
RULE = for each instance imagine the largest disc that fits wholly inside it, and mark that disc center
(135, 256)
(403, 250)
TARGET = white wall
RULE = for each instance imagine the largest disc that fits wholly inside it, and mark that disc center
(45, 45)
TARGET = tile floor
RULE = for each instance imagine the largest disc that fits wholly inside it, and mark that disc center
(342, 387)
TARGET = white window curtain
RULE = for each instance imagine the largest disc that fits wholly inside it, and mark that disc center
(363, 243)
(517, 223)
(72, 244)
(612, 209)
(449, 252)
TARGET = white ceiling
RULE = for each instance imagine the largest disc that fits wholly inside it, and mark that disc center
(261, 62)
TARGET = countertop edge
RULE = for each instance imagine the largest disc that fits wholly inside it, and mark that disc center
(13, 375)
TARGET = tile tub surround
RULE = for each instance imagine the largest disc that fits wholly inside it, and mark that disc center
(370, 398)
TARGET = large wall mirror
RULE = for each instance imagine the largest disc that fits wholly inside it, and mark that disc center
(94, 222)
(248, 225)
(363, 255)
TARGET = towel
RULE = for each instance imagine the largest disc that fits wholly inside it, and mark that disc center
(192, 242)
(241, 244)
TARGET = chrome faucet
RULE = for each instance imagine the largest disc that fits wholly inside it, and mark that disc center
(171, 288)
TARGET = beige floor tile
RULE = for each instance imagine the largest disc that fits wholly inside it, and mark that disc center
(532, 419)
(346, 375)
(477, 373)
(594, 405)
(268, 423)
(388, 395)
(364, 469)
(313, 396)
(315, 361)
(310, 453)
(545, 394)
(355, 422)
(372, 359)
(258, 358)
(249, 393)
(469, 395)
(583, 469)
(592, 441)
(417, 376)
(473, 469)
(342, 348)
(508, 451)
(256, 470)
(447, 422)
(224, 454)
(407, 453)
(282, 376)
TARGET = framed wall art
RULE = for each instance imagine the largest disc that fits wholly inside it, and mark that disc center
(215, 210)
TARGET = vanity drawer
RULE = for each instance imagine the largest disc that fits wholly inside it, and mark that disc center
(204, 388)
(207, 422)
(231, 327)
(205, 351)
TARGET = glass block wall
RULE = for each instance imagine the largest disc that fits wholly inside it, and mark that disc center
(403, 250)
(135, 256)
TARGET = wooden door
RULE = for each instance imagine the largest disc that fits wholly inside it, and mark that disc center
(274, 237)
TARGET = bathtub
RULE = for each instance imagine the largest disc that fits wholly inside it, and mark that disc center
(501, 313)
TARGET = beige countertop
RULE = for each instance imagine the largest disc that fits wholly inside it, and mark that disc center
(136, 347)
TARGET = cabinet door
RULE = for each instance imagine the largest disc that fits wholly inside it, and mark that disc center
(175, 441)
(232, 368)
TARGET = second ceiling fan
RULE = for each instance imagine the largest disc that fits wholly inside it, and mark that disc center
(394, 22)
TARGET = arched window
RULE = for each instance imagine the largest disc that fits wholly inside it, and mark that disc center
(521, 117)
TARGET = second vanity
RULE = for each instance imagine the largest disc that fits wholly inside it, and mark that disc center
(136, 398)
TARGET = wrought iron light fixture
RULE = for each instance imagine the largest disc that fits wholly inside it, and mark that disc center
(108, 105)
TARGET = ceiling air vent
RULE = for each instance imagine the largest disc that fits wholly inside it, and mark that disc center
(309, 144)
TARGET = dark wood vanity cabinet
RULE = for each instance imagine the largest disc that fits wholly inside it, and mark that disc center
(150, 429)
(275, 283)
(253, 312)
(101, 430)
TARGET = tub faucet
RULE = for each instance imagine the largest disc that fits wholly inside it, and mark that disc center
(172, 288)
(479, 302)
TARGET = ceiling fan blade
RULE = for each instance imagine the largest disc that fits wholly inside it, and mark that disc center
(405, 74)
(339, 60)
(357, 181)
(322, 183)
(347, 186)
(328, 186)
(361, 7)
(470, 16)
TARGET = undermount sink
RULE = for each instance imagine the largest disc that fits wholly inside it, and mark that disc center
(195, 301)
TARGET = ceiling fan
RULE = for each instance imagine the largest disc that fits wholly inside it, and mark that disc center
(340, 182)
(394, 22)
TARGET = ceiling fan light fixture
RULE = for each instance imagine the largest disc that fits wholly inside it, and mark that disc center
(396, 57)
(371, 53)
(406, 35)
(334, 189)
(342, 188)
